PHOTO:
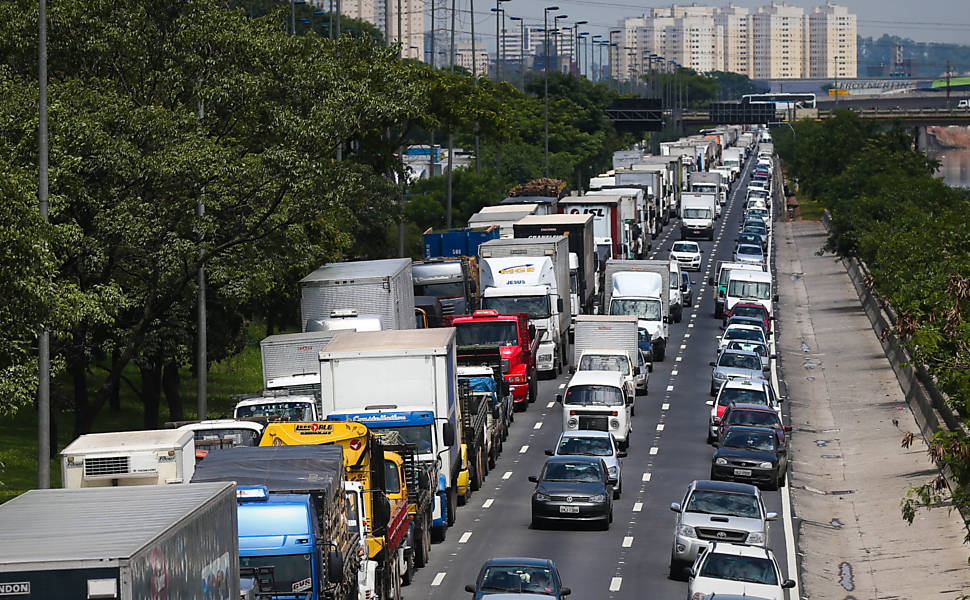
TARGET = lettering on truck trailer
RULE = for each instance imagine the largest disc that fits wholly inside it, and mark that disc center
(527, 268)
(588, 211)
(19, 588)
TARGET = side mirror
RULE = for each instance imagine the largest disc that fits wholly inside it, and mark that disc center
(549, 453)
(629, 401)
(666, 319)
(622, 454)
(565, 591)
(559, 398)
(469, 588)
(789, 584)
(709, 402)
(772, 516)
(448, 433)
(637, 371)
(675, 506)
(382, 510)
(533, 479)
(711, 363)
(335, 566)
(572, 370)
(689, 571)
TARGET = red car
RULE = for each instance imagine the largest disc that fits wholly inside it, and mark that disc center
(753, 415)
(750, 309)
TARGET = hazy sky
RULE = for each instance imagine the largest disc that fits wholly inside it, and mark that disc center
(920, 20)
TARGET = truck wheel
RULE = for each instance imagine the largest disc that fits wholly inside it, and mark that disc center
(396, 581)
(439, 534)
(533, 390)
(452, 496)
(421, 542)
(476, 476)
(408, 575)
(493, 455)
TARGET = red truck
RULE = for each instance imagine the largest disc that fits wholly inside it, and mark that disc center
(485, 331)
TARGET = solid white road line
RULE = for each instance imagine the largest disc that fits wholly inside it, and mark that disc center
(628, 541)
(488, 503)
(615, 584)
(438, 579)
(507, 475)
(465, 537)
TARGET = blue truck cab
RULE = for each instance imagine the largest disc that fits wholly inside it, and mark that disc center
(277, 530)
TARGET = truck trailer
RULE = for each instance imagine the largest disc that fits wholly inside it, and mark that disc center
(578, 230)
(381, 287)
(124, 458)
(127, 543)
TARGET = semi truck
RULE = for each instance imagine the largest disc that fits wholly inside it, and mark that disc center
(123, 458)
(486, 382)
(635, 287)
(655, 189)
(486, 336)
(381, 473)
(531, 275)
(405, 382)
(128, 543)
(697, 215)
(291, 512)
(674, 178)
(381, 287)
(578, 231)
(453, 281)
(618, 222)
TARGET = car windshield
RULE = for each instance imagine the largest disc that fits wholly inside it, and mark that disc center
(758, 211)
(748, 347)
(697, 213)
(686, 247)
(536, 306)
(750, 440)
(585, 446)
(742, 396)
(751, 569)
(441, 290)
(755, 418)
(508, 578)
(750, 250)
(571, 471)
(759, 290)
(743, 333)
(285, 411)
(419, 435)
(492, 333)
(647, 310)
(594, 395)
(604, 362)
(291, 573)
(225, 438)
(723, 503)
(755, 224)
(733, 360)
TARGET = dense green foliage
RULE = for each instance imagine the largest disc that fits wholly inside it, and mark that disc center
(913, 233)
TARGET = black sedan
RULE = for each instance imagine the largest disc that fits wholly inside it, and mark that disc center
(751, 455)
(503, 576)
(572, 488)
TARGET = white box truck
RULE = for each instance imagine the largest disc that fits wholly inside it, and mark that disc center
(531, 275)
(381, 287)
(153, 457)
(634, 287)
(406, 382)
(697, 211)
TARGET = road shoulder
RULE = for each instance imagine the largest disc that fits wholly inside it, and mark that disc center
(849, 471)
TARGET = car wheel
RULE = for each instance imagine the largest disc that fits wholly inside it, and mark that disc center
(710, 438)
(616, 493)
(650, 367)
(536, 523)
(675, 571)
(713, 391)
(713, 476)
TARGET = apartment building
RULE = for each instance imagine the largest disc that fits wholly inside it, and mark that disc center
(832, 43)
(475, 62)
(412, 23)
(733, 26)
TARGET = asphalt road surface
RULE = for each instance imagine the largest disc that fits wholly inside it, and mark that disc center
(667, 451)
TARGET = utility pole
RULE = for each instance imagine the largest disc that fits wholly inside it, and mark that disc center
(201, 356)
(431, 133)
(471, 14)
(545, 83)
(948, 85)
(43, 338)
(451, 147)
(401, 184)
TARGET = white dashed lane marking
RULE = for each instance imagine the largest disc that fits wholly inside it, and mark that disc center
(660, 426)
(438, 579)
(665, 406)
(615, 584)
(646, 477)
(488, 503)
(524, 449)
(538, 425)
(670, 388)
(465, 537)
(551, 404)
(507, 475)
(628, 541)
(637, 506)
(654, 450)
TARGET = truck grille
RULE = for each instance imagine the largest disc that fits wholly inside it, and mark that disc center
(594, 423)
(721, 535)
(108, 465)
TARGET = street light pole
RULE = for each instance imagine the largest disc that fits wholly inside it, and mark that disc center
(522, 49)
(43, 337)
(545, 42)
(557, 33)
(578, 52)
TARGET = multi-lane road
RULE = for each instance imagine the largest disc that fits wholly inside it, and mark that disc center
(666, 453)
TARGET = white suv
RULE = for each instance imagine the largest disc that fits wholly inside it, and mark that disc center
(735, 569)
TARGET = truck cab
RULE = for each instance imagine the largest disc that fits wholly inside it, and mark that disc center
(720, 280)
(597, 400)
(641, 294)
(749, 286)
(487, 331)
(282, 406)
(447, 279)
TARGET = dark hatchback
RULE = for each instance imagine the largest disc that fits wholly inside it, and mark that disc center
(753, 415)
(519, 576)
(572, 488)
(752, 455)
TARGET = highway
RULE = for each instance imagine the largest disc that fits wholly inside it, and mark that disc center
(667, 452)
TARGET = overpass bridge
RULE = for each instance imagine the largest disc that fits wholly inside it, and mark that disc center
(909, 117)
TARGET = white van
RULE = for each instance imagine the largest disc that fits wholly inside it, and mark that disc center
(749, 286)
(596, 400)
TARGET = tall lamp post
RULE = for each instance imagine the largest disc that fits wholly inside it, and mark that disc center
(581, 60)
(545, 49)
(522, 48)
(597, 47)
(498, 37)
(557, 33)
(610, 55)
(575, 48)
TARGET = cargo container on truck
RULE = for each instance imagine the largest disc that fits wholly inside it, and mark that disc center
(675, 178)
(634, 287)
(651, 183)
(123, 458)
(381, 472)
(618, 221)
(128, 543)
(578, 230)
(733, 158)
(406, 382)
(601, 341)
(697, 215)
(503, 220)
(531, 275)
(291, 511)
(622, 159)
(487, 336)
(709, 182)
(455, 243)
(381, 287)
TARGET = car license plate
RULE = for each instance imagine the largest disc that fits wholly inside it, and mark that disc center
(573, 510)
(697, 231)
(743, 472)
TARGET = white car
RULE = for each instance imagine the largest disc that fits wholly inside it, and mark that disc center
(739, 391)
(749, 333)
(597, 400)
(687, 255)
(725, 569)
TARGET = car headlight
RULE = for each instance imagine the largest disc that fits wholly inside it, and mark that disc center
(597, 498)
(686, 531)
(719, 375)
(572, 422)
(756, 538)
(545, 357)
(765, 465)
(541, 497)
(614, 424)
(612, 470)
(720, 461)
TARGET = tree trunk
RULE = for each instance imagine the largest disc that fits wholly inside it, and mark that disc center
(170, 385)
(151, 392)
(115, 398)
(270, 321)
